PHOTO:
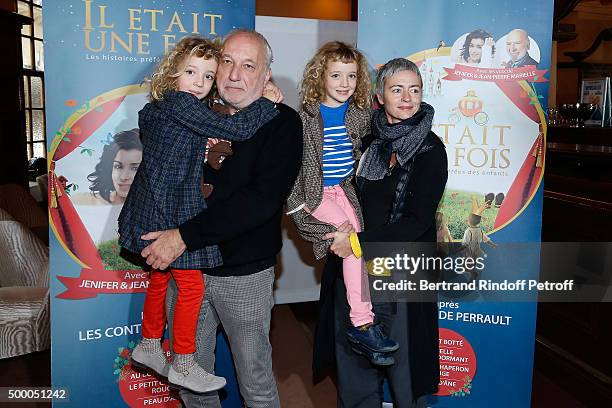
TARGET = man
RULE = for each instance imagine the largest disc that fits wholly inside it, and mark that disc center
(243, 217)
(517, 45)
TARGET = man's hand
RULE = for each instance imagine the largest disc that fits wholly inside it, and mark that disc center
(273, 92)
(167, 246)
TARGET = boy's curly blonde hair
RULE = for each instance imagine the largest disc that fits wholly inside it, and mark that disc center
(168, 70)
(313, 83)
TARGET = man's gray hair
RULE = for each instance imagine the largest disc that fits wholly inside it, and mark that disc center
(391, 68)
(259, 36)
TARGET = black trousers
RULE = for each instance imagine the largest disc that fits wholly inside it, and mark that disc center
(360, 384)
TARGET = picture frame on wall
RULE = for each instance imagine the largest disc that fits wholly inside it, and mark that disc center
(595, 91)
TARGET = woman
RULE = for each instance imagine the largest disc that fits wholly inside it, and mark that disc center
(400, 180)
(114, 173)
(478, 49)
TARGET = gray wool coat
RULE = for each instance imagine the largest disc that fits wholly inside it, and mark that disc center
(308, 188)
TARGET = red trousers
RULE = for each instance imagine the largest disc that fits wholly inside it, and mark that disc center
(190, 284)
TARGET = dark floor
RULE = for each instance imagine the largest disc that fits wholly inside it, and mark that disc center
(291, 337)
(31, 370)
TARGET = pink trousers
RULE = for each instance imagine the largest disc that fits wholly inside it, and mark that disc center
(336, 208)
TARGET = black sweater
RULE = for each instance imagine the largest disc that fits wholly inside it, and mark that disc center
(420, 199)
(244, 211)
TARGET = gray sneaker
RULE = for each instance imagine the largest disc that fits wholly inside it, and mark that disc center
(196, 379)
(156, 362)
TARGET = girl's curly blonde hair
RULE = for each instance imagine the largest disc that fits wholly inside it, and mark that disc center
(168, 70)
(313, 83)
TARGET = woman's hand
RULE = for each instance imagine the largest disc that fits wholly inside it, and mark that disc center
(488, 48)
(346, 227)
(273, 92)
(341, 245)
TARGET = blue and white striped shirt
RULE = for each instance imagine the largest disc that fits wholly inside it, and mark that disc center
(337, 147)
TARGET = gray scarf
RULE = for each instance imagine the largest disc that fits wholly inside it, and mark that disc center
(405, 139)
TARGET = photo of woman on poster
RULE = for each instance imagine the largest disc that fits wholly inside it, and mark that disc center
(113, 175)
(109, 185)
(477, 49)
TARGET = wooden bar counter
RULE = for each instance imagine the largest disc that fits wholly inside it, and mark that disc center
(574, 340)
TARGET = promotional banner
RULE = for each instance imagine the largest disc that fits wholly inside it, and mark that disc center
(98, 55)
(485, 71)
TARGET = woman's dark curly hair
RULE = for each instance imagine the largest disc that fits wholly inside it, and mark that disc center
(101, 179)
(476, 34)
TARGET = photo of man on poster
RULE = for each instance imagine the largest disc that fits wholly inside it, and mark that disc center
(517, 46)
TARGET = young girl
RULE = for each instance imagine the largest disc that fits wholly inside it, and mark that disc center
(335, 113)
(167, 192)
